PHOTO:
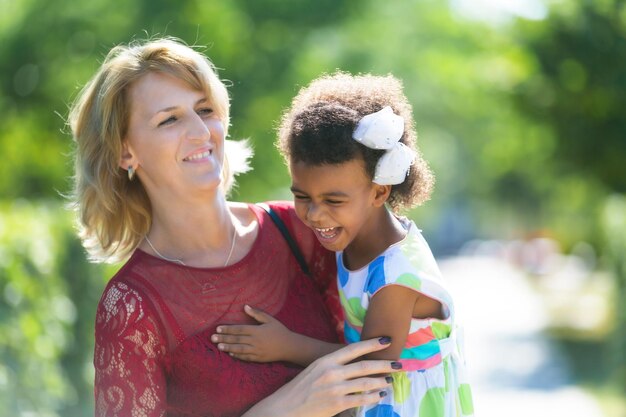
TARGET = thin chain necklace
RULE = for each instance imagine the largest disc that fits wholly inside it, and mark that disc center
(232, 247)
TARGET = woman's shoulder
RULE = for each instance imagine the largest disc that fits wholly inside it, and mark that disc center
(248, 213)
(287, 213)
(121, 288)
(282, 207)
(123, 296)
(304, 236)
(244, 212)
(122, 307)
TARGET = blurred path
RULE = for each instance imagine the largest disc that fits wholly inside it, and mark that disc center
(516, 371)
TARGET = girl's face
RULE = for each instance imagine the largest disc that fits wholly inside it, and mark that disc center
(336, 201)
(175, 140)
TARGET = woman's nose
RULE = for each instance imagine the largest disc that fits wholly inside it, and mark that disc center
(198, 130)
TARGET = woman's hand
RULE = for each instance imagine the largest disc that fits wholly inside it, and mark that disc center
(332, 384)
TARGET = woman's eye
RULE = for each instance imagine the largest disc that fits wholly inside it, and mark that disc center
(334, 202)
(300, 197)
(205, 111)
(167, 121)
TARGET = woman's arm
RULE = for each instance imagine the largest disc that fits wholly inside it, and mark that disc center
(127, 358)
(331, 384)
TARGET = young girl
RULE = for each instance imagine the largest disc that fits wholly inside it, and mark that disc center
(349, 142)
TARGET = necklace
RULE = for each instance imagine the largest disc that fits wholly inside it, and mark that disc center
(232, 247)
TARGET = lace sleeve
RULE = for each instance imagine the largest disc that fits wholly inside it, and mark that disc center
(128, 355)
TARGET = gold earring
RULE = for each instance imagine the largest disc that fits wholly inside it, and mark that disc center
(131, 173)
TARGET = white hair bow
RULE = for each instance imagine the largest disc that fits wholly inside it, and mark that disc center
(383, 130)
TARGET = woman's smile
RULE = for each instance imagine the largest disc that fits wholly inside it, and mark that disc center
(199, 156)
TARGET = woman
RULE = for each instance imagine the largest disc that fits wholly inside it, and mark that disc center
(152, 174)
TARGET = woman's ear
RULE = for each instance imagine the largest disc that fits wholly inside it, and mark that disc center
(127, 159)
(381, 194)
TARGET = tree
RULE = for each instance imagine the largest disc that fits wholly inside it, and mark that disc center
(579, 91)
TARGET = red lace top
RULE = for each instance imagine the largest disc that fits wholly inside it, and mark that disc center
(153, 355)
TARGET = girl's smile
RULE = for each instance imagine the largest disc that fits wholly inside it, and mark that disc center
(327, 234)
(340, 204)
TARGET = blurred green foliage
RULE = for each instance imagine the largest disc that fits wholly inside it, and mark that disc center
(578, 91)
(522, 122)
(47, 309)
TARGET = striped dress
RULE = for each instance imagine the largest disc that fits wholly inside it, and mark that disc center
(433, 382)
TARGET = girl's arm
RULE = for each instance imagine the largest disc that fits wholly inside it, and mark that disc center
(269, 341)
(389, 314)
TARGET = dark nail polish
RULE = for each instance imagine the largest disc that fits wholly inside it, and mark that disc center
(389, 379)
(385, 340)
(382, 394)
(396, 365)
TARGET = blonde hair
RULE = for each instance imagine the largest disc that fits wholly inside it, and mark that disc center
(114, 214)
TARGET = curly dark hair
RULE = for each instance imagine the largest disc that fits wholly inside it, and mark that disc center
(317, 129)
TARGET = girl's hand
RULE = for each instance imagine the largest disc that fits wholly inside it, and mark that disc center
(332, 384)
(268, 341)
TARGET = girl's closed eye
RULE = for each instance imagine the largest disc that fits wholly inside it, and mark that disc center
(334, 202)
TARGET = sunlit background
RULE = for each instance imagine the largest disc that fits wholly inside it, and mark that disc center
(520, 107)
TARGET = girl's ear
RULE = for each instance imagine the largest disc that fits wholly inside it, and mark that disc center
(381, 194)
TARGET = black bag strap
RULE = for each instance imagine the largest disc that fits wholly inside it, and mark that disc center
(285, 232)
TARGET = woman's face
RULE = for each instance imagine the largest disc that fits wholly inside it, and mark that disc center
(175, 140)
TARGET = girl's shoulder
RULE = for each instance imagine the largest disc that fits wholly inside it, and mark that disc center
(411, 263)
(413, 251)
